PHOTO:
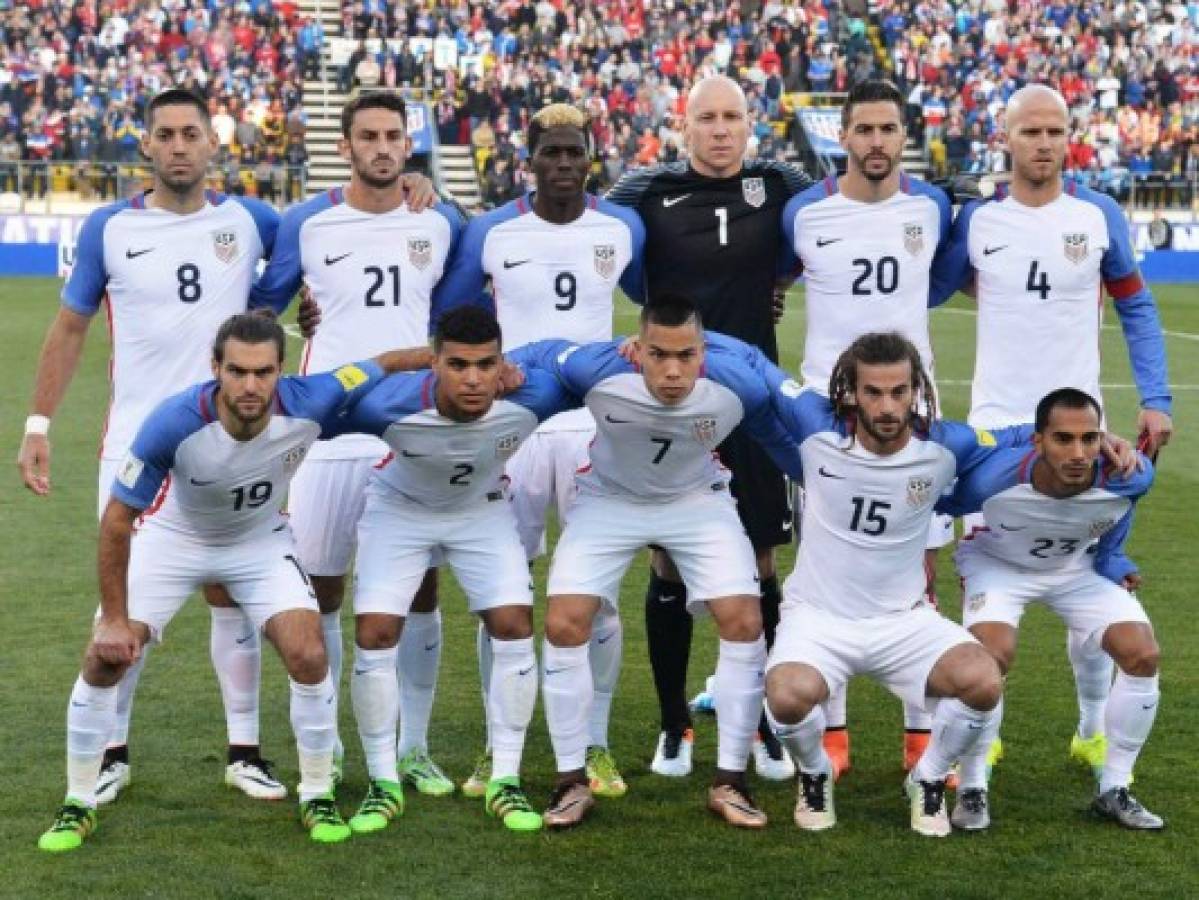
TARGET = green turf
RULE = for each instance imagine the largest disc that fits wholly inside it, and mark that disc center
(179, 832)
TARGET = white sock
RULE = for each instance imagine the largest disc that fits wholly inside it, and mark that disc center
(314, 721)
(376, 698)
(510, 706)
(738, 687)
(567, 689)
(1093, 670)
(126, 688)
(604, 651)
(331, 629)
(957, 728)
(91, 717)
(804, 740)
(237, 660)
(973, 772)
(834, 708)
(483, 647)
(419, 660)
(1131, 709)
(916, 718)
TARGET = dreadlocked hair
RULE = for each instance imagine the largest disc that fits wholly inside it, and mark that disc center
(880, 349)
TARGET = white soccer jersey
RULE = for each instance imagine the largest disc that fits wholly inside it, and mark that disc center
(372, 274)
(190, 476)
(1040, 276)
(170, 281)
(866, 267)
(547, 280)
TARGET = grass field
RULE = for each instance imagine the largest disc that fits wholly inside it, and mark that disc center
(178, 832)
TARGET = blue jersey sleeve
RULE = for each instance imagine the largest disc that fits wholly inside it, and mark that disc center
(974, 446)
(266, 221)
(328, 397)
(951, 269)
(1110, 559)
(580, 367)
(543, 394)
(464, 277)
(996, 473)
(394, 398)
(760, 419)
(285, 271)
(632, 279)
(84, 291)
(1134, 305)
(152, 454)
(942, 282)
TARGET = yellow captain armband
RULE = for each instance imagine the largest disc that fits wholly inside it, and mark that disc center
(985, 438)
(350, 377)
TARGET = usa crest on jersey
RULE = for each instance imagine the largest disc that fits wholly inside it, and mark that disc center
(920, 487)
(754, 191)
(420, 252)
(704, 429)
(605, 260)
(224, 245)
(1100, 528)
(292, 459)
(1075, 246)
(913, 237)
(506, 444)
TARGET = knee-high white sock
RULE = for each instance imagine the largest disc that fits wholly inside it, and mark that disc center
(604, 651)
(483, 646)
(420, 658)
(804, 740)
(126, 688)
(1093, 670)
(916, 718)
(737, 690)
(237, 660)
(1131, 709)
(568, 690)
(376, 698)
(956, 729)
(331, 629)
(314, 721)
(973, 772)
(510, 706)
(834, 708)
(91, 717)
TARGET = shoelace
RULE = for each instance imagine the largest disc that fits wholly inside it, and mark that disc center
(934, 796)
(510, 798)
(265, 766)
(670, 746)
(377, 800)
(322, 811)
(813, 791)
(1127, 801)
(974, 800)
(70, 817)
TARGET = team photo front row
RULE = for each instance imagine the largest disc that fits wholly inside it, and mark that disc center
(200, 500)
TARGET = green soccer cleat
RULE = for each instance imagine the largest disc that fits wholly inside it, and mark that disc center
(508, 803)
(75, 822)
(419, 770)
(1089, 752)
(605, 778)
(323, 821)
(476, 785)
(384, 801)
(994, 755)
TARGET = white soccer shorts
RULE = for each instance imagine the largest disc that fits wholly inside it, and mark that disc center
(397, 540)
(1088, 603)
(261, 573)
(701, 532)
(325, 502)
(898, 650)
(542, 471)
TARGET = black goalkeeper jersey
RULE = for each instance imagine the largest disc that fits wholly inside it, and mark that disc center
(717, 241)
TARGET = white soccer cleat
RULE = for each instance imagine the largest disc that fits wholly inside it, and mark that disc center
(972, 812)
(673, 756)
(927, 800)
(771, 760)
(814, 809)
(113, 779)
(254, 778)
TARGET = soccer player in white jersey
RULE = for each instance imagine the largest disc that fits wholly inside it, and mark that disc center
(172, 264)
(443, 492)
(370, 261)
(652, 478)
(1039, 257)
(1043, 510)
(198, 499)
(867, 243)
(553, 259)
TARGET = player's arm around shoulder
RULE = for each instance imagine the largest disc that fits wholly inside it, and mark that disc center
(761, 418)
(328, 396)
(284, 273)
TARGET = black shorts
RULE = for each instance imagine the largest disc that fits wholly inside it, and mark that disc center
(761, 491)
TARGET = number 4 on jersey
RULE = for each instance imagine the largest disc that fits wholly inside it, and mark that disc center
(1038, 285)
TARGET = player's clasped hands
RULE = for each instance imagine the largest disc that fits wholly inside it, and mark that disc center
(116, 643)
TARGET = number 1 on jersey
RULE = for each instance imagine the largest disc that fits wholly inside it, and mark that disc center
(722, 216)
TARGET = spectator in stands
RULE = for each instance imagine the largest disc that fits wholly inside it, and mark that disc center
(247, 137)
(10, 160)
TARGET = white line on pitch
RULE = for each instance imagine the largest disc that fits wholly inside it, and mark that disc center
(1181, 335)
(1115, 386)
(293, 331)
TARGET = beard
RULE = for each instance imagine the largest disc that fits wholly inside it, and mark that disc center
(860, 163)
(872, 426)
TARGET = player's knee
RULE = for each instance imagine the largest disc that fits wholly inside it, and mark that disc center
(1141, 660)
(738, 621)
(99, 673)
(566, 628)
(306, 662)
(510, 623)
(373, 632)
(788, 700)
(981, 682)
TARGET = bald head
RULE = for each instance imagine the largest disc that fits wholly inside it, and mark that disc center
(1035, 98)
(716, 128)
(1037, 134)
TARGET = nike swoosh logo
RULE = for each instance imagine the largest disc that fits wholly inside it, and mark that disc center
(525, 671)
(413, 455)
(1012, 527)
(605, 638)
(432, 646)
(73, 703)
(827, 474)
(987, 251)
(1150, 706)
(243, 640)
(554, 671)
(360, 671)
(824, 242)
(508, 264)
(198, 483)
(668, 202)
(666, 598)
(134, 254)
(330, 260)
(608, 418)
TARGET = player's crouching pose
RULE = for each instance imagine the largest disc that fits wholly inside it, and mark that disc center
(1043, 510)
(198, 500)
